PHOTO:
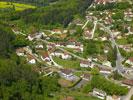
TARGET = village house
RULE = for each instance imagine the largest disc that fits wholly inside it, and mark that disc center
(87, 34)
(65, 31)
(119, 37)
(60, 44)
(57, 53)
(103, 38)
(74, 45)
(128, 15)
(77, 50)
(104, 1)
(31, 59)
(127, 47)
(88, 17)
(16, 30)
(130, 31)
(37, 35)
(130, 61)
(72, 31)
(127, 82)
(86, 77)
(20, 51)
(27, 49)
(86, 64)
(116, 33)
(99, 93)
(42, 70)
(39, 46)
(105, 71)
(45, 57)
(89, 59)
(67, 74)
(66, 56)
(108, 21)
(50, 45)
(38, 69)
(106, 51)
(61, 54)
(57, 31)
(107, 63)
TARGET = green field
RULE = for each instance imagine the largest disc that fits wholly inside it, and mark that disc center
(18, 6)
(67, 63)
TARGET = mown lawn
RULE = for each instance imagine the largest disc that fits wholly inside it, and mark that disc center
(67, 63)
(122, 41)
(18, 6)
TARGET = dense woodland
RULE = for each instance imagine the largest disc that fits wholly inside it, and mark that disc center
(18, 80)
(59, 14)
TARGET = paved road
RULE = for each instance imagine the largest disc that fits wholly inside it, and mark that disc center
(85, 24)
(93, 31)
(119, 60)
(87, 20)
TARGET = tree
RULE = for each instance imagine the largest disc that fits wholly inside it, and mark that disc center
(5, 41)
(87, 88)
(95, 71)
(109, 87)
(20, 41)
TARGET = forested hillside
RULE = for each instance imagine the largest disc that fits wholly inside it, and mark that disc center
(57, 14)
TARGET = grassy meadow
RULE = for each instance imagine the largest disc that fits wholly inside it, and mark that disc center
(17, 6)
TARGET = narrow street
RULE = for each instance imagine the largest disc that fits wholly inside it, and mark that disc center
(93, 31)
(85, 24)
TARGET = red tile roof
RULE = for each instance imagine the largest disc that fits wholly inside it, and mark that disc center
(128, 82)
(86, 75)
(66, 71)
(131, 59)
(45, 55)
(30, 57)
(20, 50)
(84, 62)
